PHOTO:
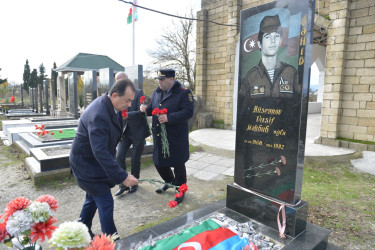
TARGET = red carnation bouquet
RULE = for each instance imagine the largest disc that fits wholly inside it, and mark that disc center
(25, 221)
(164, 138)
(142, 101)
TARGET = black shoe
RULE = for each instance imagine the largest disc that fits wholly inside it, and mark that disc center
(180, 199)
(121, 190)
(163, 189)
(132, 189)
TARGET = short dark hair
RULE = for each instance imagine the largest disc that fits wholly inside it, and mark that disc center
(120, 87)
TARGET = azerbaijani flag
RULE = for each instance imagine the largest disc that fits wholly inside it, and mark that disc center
(132, 17)
(207, 235)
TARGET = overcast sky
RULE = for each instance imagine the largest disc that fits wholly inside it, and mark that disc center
(48, 31)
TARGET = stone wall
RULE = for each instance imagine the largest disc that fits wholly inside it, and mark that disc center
(348, 108)
(349, 93)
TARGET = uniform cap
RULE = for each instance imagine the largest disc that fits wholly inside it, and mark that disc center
(165, 73)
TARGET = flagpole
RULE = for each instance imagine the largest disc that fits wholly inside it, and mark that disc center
(133, 23)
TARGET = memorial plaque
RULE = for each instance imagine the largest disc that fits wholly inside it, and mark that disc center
(73, 95)
(275, 55)
(90, 87)
(135, 74)
(106, 80)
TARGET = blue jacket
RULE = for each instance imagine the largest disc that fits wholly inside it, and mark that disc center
(180, 105)
(92, 156)
(136, 124)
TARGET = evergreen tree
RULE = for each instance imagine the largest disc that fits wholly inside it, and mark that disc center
(42, 71)
(34, 79)
(3, 80)
(26, 76)
(54, 76)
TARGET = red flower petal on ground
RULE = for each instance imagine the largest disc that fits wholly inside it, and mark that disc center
(283, 160)
(3, 231)
(43, 126)
(50, 200)
(124, 113)
(42, 230)
(47, 131)
(39, 133)
(172, 203)
(60, 131)
(183, 188)
(142, 100)
(179, 195)
(102, 242)
(52, 133)
(19, 203)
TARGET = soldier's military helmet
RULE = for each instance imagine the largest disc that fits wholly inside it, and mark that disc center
(165, 73)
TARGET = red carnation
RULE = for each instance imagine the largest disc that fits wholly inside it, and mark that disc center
(3, 231)
(183, 188)
(172, 203)
(60, 131)
(12, 99)
(52, 133)
(142, 100)
(124, 113)
(42, 230)
(43, 126)
(156, 111)
(283, 160)
(50, 200)
(179, 195)
(19, 203)
(163, 111)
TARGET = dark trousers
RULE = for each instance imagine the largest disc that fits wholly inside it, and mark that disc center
(104, 205)
(177, 178)
(136, 154)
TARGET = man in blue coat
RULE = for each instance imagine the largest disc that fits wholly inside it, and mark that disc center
(179, 102)
(135, 132)
(92, 155)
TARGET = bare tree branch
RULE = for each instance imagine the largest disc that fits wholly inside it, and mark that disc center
(176, 49)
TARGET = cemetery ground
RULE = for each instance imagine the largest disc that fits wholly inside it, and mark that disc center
(340, 198)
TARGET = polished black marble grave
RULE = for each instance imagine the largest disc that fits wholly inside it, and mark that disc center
(265, 211)
(314, 237)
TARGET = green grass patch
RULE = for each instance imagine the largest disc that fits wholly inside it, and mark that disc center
(356, 141)
(340, 199)
(65, 134)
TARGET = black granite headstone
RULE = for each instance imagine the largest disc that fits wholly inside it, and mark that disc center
(90, 87)
(73, 95)
(273, 96)
(135, 74)
(106, 80)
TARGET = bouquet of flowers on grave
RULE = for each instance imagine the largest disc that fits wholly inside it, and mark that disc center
(75, 235)
(25, 221)
(142, 101)
(281, 162)
(179, 190)
(164, 138)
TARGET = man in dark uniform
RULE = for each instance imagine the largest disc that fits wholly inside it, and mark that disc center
(92, 155)
(270, 78)
(135, 132)
(179, 103)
